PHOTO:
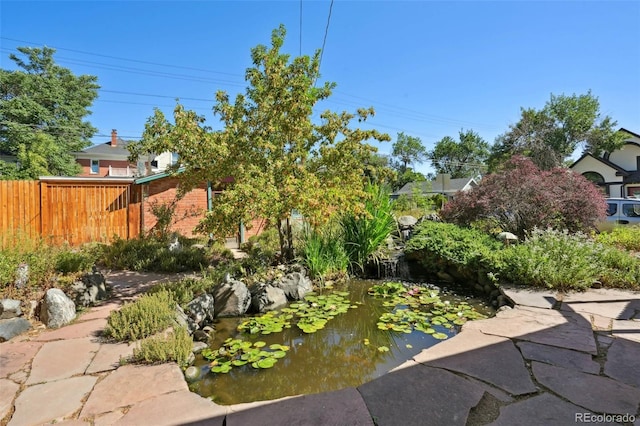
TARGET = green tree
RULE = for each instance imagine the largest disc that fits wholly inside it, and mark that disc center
(408, 150)
(270, 157)
(42, 112)
(463, 158)
(550, 135)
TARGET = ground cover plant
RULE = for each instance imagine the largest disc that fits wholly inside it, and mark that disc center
(148, 315)
(626, 237)
(173, 345)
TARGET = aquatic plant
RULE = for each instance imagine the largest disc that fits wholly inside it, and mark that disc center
(238, 352)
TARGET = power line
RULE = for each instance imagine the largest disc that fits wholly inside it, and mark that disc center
(326, 31)
(124, 59)
(122, 92)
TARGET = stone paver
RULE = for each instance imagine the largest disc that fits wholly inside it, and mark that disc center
(108, 357)
(62, 359)
(183, 407)
(626, 329)
(8, 391)
(544, 409)
(51, 401)
(601, 295)
(420, 395)
(14, 356)
(623, 362)
(595, 393)
(343, 407)
(99, 312)
(560, 357)
(499, 394)
(524, 296)
(563, 329)
(616, 310)
(131, 384)
(74, 331)
(492, 359)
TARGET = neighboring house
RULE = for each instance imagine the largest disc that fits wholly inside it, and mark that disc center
(618, 172)
(110, 159)
(442, 184)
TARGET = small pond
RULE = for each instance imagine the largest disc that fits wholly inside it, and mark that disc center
(346, 351)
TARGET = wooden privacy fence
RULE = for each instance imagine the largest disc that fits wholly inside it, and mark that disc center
(70, 210)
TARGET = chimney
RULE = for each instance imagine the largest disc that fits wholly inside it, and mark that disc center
(114, 138)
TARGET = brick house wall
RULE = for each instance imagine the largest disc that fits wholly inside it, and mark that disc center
(189, 210)
(104, 167)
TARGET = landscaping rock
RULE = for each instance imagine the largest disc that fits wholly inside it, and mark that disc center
(407, 222)
(9, 328)
(296, 285)
(507, 237)
(198, 347)
(201, 309)
(183, 319)
(9, 308)
(231, 299)
(89, 289)
(57, 309)
(192, 374)
(22, 275)
(265, 297)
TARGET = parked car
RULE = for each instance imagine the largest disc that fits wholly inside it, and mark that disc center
(622, 211)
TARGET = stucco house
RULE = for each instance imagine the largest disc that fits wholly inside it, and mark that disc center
(111, 159)
(617, 172)
(442, 184)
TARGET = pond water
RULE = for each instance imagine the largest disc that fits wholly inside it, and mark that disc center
(350, 350)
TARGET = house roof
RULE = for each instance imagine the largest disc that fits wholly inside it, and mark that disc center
(106, 150)
(431, 187)
(619, 170)
(156, 176)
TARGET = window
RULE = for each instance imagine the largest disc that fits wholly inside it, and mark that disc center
(174, 158)
(612, 209)
(631, 210)
(95, 167)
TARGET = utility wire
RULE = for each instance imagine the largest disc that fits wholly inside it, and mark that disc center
(326, 31)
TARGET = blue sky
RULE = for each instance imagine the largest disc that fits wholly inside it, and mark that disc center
(428, 68)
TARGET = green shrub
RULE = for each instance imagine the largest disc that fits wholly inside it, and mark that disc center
(366, 233)
(146, 316)
(185, 290)
(627, 237)
(263, 248)
(553, 259)
(149, 254)
(619, 268)
(68, 261)
(439, 246)
(39, 256)
(322, 252)
(172, 346)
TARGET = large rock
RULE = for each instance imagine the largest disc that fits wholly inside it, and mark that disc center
(407, 222)
(296, 285)
(183, 319)
(89, 289)
(12, 327)
(201, 309)
(265, 297)
(232, 298)
(57, 309)
(9, 308)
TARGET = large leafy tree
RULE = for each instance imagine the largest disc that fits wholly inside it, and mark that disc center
(550, 135)
(43, 107)
(523, 197)
(465, 157)
(270, 157)
(408, 150)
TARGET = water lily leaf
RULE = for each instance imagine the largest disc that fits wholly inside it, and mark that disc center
(238, 362)
(440, 336)
(259, 344)
(366, 341)
(383, 349)
(408, 346)
(275, 347)
(278, 354)
(266, 363)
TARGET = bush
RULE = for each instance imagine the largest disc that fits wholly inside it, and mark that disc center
(263, 248)
(322, 252)
(440, 246)
(364, 234)
(626, 237)
(553, 259)
(69, 261)
(523, 197)
(150, 314)
(172, 346)
(619, 268)
(149, 254)
(185, 290)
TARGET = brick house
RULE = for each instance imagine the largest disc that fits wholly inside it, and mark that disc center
(162, 189)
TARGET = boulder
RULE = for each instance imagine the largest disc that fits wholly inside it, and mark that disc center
(9, 308)
(12, 327)
(22, 275)
(57, 309)
(232, 299)
(507, 237)
(183, 319)
(296, 285)
(89, 289)
(265, 297)
(201, 309)
(407, 222)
